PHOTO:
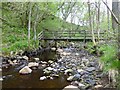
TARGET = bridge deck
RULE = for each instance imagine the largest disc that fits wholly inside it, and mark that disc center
(69, 35)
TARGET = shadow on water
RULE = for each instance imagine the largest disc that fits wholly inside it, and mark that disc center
(12, 79)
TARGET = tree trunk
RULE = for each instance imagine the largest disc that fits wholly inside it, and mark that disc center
(116, 13)
(98, 20)
(115, 24)
(29, 23)
(35, 24)
(108, 21)
(91, 26)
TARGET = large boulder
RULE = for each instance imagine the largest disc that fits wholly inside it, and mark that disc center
(25, 70)
(71, 87)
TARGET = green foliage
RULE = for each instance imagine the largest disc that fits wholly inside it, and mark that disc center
(91, 48)
(109, 58)
(15, 39)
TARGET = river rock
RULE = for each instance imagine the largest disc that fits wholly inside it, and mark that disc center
(90, 69)
(1, 79)
(49, 68)
(43, 62)
(75, 83)
(33, 64)
(91, 64)
(53, 49)
(98, 86)
(80, 70)
(43, 78)
(55, 75)
(68, 71)
(59, 50)
(77, 76)
(47, 72)
(50, 61)
(10, 62)
(71, 87)
(25, 70)
(51, 78)
(36, 59)
(70, 78)
(77, 54)
(25, 57)
(81, 85)
(65, 54)
(0, 70)
(62, 68)
(90, 81)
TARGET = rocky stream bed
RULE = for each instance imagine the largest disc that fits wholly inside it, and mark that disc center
(59, 69)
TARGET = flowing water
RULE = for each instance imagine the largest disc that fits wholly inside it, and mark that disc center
(12, 79)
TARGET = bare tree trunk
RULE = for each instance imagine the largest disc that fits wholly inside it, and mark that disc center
(108, 20)
(98, 20)
(119, 20)
(29, 24)
(90, 23)
(35, 24)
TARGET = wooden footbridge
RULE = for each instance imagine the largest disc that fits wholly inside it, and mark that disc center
(74, 35)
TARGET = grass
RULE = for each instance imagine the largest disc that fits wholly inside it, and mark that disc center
(110, 57)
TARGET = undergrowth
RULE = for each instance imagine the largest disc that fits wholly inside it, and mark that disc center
(15, 39)
(110, 62)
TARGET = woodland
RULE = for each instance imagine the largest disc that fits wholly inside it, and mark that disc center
(63, 45)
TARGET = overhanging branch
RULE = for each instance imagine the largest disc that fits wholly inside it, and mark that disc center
(114, 16)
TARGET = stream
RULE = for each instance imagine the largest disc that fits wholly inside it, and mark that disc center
(59, 69)
(12, 79)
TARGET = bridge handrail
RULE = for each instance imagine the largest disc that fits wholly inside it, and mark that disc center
(40, 35)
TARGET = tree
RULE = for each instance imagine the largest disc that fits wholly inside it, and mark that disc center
(29, 22)
(35, 24)
(116, 21)
(90, 23)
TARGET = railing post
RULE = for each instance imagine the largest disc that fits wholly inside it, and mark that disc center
(84, 36)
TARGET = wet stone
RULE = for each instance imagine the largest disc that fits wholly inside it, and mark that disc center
(25, 70)
(71, 87)
(33, 64)
(50, 61)
(55, 75)
(47, 72)
(70, 78)
(36, 59)
(43, 78)
(90, 69)
(1, 79)
(77, 76)
(90, 81)
(91, 64)
(49, 68)
(98, 86)
(81, 86)
(68, 71)
(25, 57)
